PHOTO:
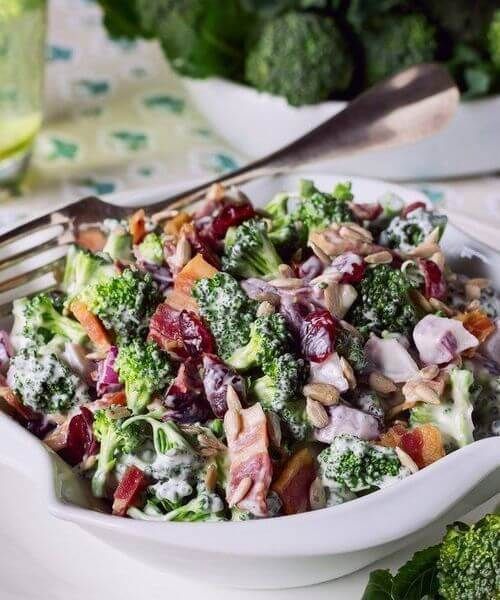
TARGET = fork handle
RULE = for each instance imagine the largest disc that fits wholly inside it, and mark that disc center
(401, 109)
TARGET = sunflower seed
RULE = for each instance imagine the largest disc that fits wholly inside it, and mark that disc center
(348, 373)
(316, 413)
(232, 424)
(324, 393)
(317, 495)
(182, 252)
(379, 258)
(424, 250)
(438, 305)
(163, 215)
(209, 441)
(211, 477)
(425, 394)
(241, 491)
(265, 309)
(421, 300)
(438, 259)
(286, 271)
(381, 384)
(429, 372)
(273, 428)
(406, 460)
(287, 283)
(273, 299)
(232, 399)
(433, 236)
(323, 257)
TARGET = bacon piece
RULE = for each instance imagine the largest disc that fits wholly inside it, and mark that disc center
(294, 482)
(477, 323)
(137, 226)
(127, 494)
(424, 444)
(366, 211)
(333, 244)
(249, 458)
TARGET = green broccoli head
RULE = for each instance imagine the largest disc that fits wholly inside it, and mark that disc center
(383, 302)
(166, 435)
(357, 465)
(351, 346)
(269, 338)
(494, 40)
(37, 321)
(283, 231)
(82, 268)
(151, 249)
(124, 303)
(469, 564)
(145, 370)
(453, 417)
(248, 251)
(114, 440)
(394, 43)
(300, 56)
(45, 383)
(206, 506)
(486, 413)
(318, 210)
(118, 246)
(279, 390)
(227, 309)
(408, 232)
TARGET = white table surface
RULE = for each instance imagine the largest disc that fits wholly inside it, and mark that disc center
(43, 558)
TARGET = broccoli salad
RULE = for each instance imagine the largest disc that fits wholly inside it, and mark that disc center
(237, 362)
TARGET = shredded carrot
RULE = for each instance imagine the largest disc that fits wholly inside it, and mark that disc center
(92, 239)
(137, 226)
(477, 323)
(196, 268)
(92, 324)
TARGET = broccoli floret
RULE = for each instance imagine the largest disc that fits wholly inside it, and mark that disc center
(114, 440)
(37, 321)
(227, 309)
(206, 506)
(145, 370)
(318, 210)
(279, 390)
(469, 562)
(283, 230)
(383, 302)
(407, 233)
(44, 382)
(151, 249)
(453, 417)
(82, 268)
(248, 251)
(351, 346)
(494, 40)
(124, 303)
(394, 43)
(166, 435)
(302, 57)
(486, 413)
(356, 465)
(119, 245)
(269, 338)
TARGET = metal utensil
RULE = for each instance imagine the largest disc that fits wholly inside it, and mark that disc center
(402, 109)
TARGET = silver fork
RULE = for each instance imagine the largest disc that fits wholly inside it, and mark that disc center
(402, 109)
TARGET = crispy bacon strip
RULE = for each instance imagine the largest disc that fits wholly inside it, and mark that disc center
(248, 443)
(424, 443)
(133, 483)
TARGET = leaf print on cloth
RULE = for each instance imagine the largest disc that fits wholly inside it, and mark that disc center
(164, 102)
(129, 141)
(55, 53)
(54, 148)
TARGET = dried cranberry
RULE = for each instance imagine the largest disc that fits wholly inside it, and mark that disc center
(435, 284)
(356, 275)
(185, 398)
(217, 376)
(366, 211)
(128, 492)
(411, 207)
(318, 335)
(194, 333)
(351, 266)
(412, 443)
(80, 441)
(201, 244)
(231, 215)
(39, 427)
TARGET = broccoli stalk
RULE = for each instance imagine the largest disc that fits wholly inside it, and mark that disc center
(37, 321)
(114, 440)
(166, 434)
(300, 56)
(248, 251)
(454, 416)
(494, 40)
(145, 370)
(124, 303)
(269, 338)
(468, 564)
(318, 210)
(44, 382)
(383, 302)
(83, 268)
(151, 249)
(227, 309)
(283, 231)
(119, 245)
(354, 465)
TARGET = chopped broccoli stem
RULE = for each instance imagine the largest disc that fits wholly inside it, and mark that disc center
(227, 309)
(119, 245)
(151, 249)
(44, 382)
(248, 251)
(145, 370)
(283, 231)
(83, 268)
(166, 434)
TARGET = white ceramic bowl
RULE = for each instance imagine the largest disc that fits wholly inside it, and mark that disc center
(294, 550)
(257, 124)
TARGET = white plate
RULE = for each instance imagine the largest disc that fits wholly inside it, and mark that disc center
(299, 549)
(256, 124)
